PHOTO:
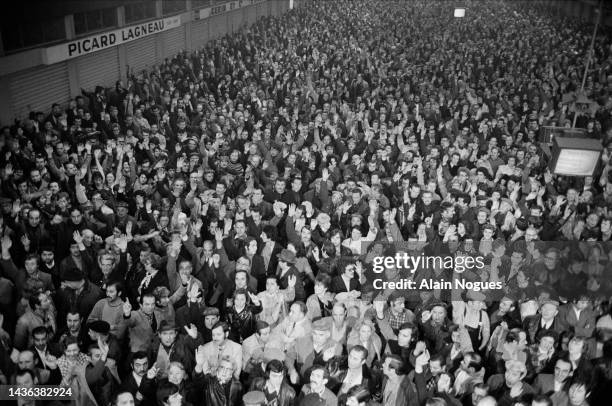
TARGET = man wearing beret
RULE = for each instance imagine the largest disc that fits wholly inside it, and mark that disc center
(77, 292)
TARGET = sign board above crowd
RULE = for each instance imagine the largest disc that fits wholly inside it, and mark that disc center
(575, 156)
(98, 42)
(223, 8)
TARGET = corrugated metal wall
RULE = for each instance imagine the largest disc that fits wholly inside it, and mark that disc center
(199, 33)
(38, 89)
(174, 41)
(141, 54)
(100, 68)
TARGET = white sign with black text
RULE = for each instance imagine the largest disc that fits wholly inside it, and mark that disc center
(98, 42)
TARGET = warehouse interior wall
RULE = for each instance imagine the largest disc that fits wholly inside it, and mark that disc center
(89, 70)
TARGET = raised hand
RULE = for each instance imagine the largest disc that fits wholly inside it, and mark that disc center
(192, 331)
(127, 307)
(77, 237)
(200, 355)
(325, 174)
(152, 372)
(121, 243)
(291, 281)
(51, 361)
(103, 347)
(291, 211)
(7, 243)
(254, 299)
(25, 241)
(216, 260)
(379, 306)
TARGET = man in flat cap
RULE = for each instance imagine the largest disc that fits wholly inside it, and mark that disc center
(76, 292)
(315, 348)
(546, 319)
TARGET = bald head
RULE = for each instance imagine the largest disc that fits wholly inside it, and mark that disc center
(487, 401)
(26, 360)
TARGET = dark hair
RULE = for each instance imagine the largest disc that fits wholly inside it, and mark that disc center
(322, 368)
(146, 295)
(93, 346)
(40, 330)
(547, 333)
(22, 372)
(69, 341)
(32, 256)
(275, 366)
(117, 284)
(261, 325)
(359, 392)
(116, 397)
(323, 279)
(34, 299)
(223, 325)
(542, 399)
(395, 363)
(302, 306)
(164, 391)
(361, 349)
(438, 357)
(270, 232)
(475, 361)
(139, 355)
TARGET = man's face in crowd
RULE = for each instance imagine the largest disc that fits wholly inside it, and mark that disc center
(218, 335)
(31, 266)
(148, 305)
(106, 265)
(550, 259)
(210, 321)
(355, 359)
(167, 337)
(225, 371)
(25, 380)
(295, 313)
(398, 305)
(111, 292)
(478, 394)
(26, 360)
(73, 322)
(185, 269)
(264, 334)
(531, 234)
(40, 341)
(513, 376)
(438, 314)
(317, 380)
(125, 399)
(562, 370)
(548, 311)
(577, 394)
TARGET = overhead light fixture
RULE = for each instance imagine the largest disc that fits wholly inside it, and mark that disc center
(459, 12)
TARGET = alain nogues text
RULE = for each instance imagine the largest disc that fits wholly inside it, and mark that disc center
(404, 261)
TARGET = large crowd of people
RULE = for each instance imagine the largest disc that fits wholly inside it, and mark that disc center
(204, 232)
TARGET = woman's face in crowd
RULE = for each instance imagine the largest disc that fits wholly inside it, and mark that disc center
(176, 375)
(240, 301)
(72, 351)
